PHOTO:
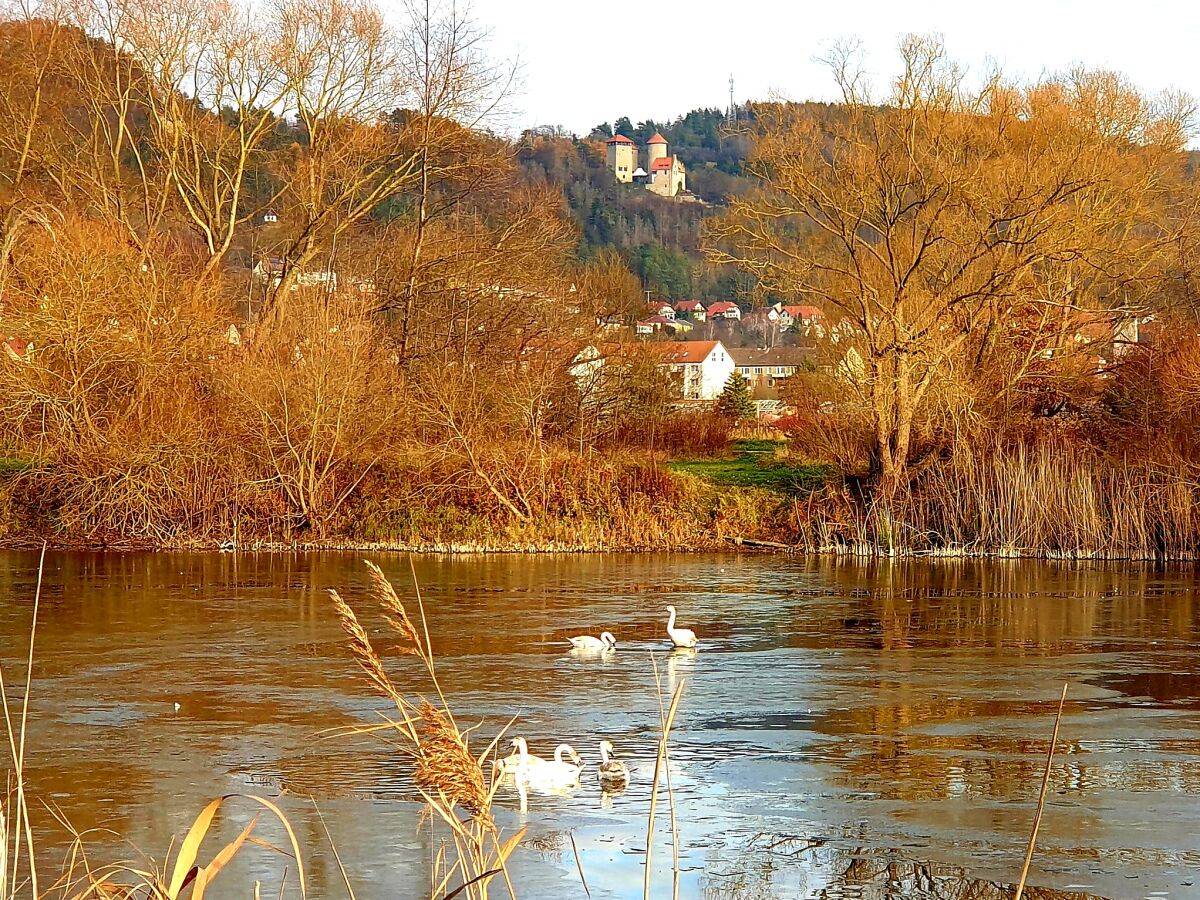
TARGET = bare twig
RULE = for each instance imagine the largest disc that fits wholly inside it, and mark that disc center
(1037, 818)
(659, 763)
(578, 863)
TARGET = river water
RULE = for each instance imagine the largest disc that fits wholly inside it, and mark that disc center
(846, 730)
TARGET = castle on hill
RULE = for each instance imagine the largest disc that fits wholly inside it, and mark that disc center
(664, 174)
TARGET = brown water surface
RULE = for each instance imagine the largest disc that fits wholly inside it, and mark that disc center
(846, 730)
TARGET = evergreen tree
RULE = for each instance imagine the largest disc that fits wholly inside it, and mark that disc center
(735, 400)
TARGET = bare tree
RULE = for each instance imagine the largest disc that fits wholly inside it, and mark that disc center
(924, 221)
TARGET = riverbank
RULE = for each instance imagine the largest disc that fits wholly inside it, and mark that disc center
(602, 505)
(756, 496)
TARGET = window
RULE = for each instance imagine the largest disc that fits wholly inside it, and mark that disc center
(758, 370)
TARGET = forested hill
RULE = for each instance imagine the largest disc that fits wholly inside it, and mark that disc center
(659, 238)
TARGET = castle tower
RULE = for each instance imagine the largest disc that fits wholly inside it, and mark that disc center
(621, 157)
(656, 148)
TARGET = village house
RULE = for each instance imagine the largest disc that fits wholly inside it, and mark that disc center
(269, 271)
(799, 316)
(702, 367)
(664, 174)
(767, 370)
(17, 349)
(663, 308)
(655, 324)
(692, 309)
(611, 322)
(724, 309)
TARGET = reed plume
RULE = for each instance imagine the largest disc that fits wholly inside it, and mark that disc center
(360, 646)
(445, 763)
(447, 775)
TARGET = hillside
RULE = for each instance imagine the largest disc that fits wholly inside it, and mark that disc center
(659, 238)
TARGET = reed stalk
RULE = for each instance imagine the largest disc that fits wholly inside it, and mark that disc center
(660, 762)
(1037, 817)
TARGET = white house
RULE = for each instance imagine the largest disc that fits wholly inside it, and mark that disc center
(703, 367)
(661, 323)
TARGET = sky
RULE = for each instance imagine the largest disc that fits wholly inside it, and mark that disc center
(588, 61)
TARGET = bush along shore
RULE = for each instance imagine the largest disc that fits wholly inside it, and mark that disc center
(753, 495)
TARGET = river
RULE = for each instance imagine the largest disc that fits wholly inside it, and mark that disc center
(846, 729)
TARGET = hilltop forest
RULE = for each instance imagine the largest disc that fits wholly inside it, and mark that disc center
(269, 275)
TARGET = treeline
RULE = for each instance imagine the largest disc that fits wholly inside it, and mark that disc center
(265, 274)
(1013, 269)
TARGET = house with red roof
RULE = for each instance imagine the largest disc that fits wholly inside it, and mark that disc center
(692, 309)
(702, 367)
(18, 349)
(800, 316)
(724, 309)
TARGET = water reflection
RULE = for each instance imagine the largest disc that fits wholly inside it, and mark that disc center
(895, 714)
(775, 865)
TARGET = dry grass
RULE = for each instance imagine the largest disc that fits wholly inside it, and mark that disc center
(1048, 501)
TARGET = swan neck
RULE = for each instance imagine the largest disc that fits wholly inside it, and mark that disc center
(671, 621)
(604, 754)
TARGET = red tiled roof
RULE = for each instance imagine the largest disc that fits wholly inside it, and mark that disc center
(657, 320)
(657, 139)
(686, 351)
(618, 139)
(804, 312)
(662, 164)
(722, 306)
(689, 305)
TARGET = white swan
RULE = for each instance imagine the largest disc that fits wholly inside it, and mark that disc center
(680, 637)
(606, 641)
(554, 774)
(613, 772)
(517, 760)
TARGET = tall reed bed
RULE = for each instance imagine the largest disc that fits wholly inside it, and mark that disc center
(1046, 501)
(449, 777)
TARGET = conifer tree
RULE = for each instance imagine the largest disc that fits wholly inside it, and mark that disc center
(735, 400)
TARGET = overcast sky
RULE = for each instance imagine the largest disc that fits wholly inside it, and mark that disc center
(584, 63)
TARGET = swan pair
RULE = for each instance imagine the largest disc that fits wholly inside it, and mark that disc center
(680, 637)
(544, 773)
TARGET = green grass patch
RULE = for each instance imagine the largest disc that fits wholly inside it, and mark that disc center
(756, 445)
(10, 466)
(746, 471)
